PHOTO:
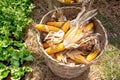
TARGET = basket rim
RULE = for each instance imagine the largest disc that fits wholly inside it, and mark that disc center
(77, 65)
(58, 8)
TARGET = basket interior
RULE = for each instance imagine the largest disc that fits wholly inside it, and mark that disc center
(71, 13)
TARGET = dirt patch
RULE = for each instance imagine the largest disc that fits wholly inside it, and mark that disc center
(110, 9)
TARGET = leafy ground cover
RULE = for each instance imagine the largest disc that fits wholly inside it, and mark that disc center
(13, 53)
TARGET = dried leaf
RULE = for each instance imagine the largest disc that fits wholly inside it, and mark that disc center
(54, 37)
(86, 17)
(74, 21)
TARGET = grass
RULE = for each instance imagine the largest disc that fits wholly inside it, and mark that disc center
(108, 66)
(114, 67)
(110, 63)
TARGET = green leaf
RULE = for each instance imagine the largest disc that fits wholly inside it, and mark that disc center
(18, 72)
(15, 63)
(5, 42)
(18, 44)
(28, 58)
(3, 71)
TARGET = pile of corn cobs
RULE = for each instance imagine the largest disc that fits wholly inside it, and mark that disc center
(71, 41)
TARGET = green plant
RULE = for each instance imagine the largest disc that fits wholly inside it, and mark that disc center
(14, 17)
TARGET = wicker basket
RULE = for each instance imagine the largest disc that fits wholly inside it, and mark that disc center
(63, 70)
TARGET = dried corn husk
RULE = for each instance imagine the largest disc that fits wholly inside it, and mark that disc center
(54, 38)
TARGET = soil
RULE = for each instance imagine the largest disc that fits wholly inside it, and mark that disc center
(108, 10)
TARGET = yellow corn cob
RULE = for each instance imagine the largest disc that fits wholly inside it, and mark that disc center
(76, 60)
(79, 59)
(56, 24)
(92, 55)
(58, 48)
(69, 31)
(89, 27)
(66, 26)
(46, 28)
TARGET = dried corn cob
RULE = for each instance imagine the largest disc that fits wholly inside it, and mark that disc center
(66, 26)
(58, 48)
(56, 24)
(89, 27)
(92, 55)
(46, 28)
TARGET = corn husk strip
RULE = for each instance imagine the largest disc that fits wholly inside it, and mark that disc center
(69, 31)
(80, 13)
(56, 24)
(75, 43)
(72, 38)
(71, 35)
(66, 26)
(46, 28)
(83, 31)
(78, 36)
(86, 17)
(74, 21)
